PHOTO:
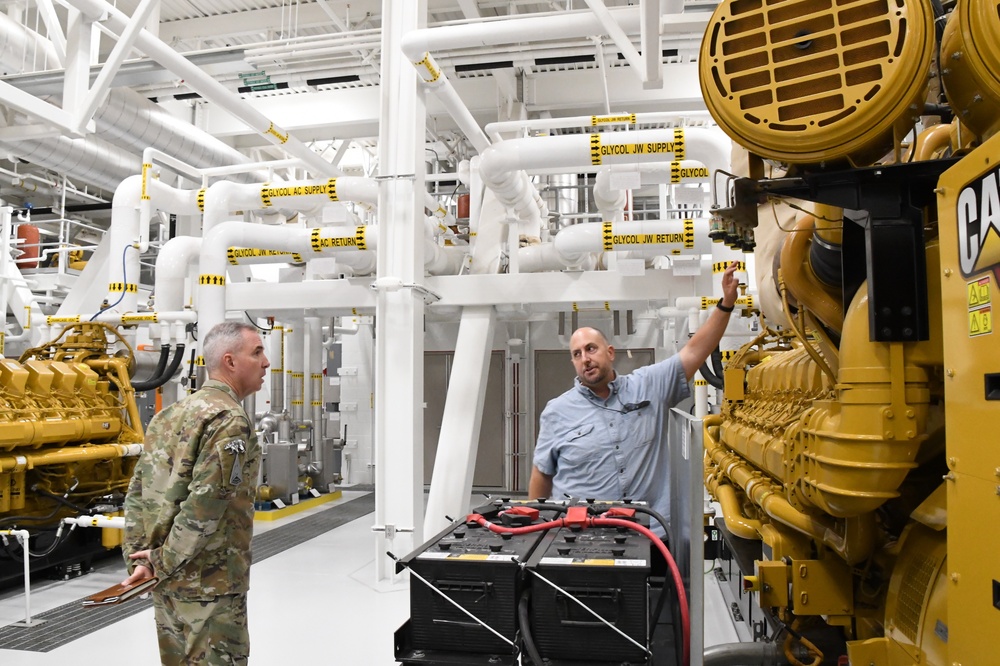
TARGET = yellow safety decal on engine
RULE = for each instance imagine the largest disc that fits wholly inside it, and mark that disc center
(135, 318)
(62, 320)
(688, 234)
(607, 236)
(608, 120)
(273, 131)
(214, 280)
(980, 322)
(201, 199)
(721, 266)
(979, 292)
(331, 189)
(430, 67)
(122, 286)
(700, 382)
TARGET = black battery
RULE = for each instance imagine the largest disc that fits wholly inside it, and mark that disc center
(477, 569)
(605, 568)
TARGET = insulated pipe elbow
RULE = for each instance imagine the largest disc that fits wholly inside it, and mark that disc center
(173, 262)
(161, 365)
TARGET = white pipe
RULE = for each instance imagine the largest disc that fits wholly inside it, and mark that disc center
(443, 259)
(700, 396)
(23, 536)
(173, 265)
(114, 522)
(212, 264)
(611, 201)
(665, 237)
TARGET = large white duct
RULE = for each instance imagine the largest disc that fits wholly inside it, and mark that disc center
(125, 118)
(91, 160)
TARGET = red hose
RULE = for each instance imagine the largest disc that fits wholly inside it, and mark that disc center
(614, 522)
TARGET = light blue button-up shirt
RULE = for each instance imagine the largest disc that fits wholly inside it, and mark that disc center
(599, 449)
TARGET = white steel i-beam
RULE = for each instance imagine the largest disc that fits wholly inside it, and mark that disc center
(455, 464)
(399, 350)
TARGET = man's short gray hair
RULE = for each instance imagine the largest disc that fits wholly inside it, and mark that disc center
(222, 339)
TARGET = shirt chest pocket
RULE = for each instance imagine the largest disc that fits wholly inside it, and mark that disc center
(581, 445)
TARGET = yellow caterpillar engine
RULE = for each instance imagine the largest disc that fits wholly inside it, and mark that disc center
(855, 455)
(69, 437)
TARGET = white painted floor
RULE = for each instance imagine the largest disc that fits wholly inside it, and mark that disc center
(316, 603)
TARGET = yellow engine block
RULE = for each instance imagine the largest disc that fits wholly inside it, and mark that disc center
(69, 426)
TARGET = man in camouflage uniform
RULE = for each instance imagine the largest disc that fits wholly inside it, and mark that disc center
(189, 509)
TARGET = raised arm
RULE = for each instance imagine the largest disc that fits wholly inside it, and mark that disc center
(704, 342)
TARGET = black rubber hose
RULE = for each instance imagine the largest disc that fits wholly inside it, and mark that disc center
(717, 364)
(709, 376)
(164, 377)
(161, 365)
(526, 637)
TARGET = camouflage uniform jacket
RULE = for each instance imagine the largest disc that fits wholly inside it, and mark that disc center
(191, 497)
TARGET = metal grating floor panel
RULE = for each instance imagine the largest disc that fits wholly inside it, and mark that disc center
(66, 623)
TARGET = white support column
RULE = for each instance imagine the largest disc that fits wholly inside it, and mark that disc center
(451, 483)
(399, 351)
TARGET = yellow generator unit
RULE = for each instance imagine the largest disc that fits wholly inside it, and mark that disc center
(817, 81)
(852, 456)
(70, 434)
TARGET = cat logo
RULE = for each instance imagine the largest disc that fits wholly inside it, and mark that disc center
(979, 225)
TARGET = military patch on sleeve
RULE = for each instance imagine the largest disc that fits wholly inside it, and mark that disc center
(236, 447)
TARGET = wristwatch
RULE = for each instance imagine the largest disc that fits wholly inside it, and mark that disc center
(723, 307)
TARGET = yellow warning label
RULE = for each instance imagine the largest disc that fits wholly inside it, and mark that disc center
(216, 280)
(201, 199)
(273, 131)
(700, 382)
(432, 72)
(979, 292)
(331, 189)
(473, 556)
(121, 286)
(980, 322)
(199, 360)
(62, 320)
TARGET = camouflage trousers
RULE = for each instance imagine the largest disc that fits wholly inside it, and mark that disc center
(213, 632)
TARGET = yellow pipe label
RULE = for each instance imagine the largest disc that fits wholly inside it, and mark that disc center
(331, 189)
(214, 280)
(721, 266)
(62, 320)
(707, 302)
(599, 151)
(607, 236)
(644, 239)
(201, 199)
(745, 300)
(153, 317)
(689, 234)
(273, 131)
(123, 286)
(146, 167)
(27, 322)
(234, 254)
(199, 360)
(296, 375)
(680, 151)
(430, 67)
(607, 120)
(357, 240)
(679, 173)
(700, 382)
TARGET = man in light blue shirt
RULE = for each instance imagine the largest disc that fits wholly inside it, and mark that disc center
(605, 438)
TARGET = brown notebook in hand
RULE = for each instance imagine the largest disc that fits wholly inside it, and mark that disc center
(117, 594)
